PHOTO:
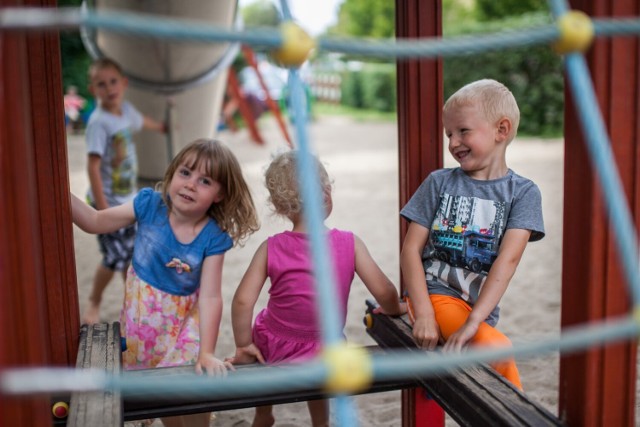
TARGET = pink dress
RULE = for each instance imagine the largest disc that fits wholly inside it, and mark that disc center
(288, 329)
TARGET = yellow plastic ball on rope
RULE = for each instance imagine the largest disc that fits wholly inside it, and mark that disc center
(576, 32)
(350, 368)
(296, 45)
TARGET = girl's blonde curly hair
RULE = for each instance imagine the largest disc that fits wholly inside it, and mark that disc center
(281, 180)
(235, 213)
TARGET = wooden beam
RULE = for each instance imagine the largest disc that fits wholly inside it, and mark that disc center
(476, 395)
(136, 408)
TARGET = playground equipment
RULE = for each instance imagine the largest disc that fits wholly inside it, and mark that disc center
(614, 393)
(182, 83)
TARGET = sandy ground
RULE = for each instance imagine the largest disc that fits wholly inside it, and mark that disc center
(362, 160)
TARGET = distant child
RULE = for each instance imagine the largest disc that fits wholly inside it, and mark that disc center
(469, 227)
(288, 329)
(173, 301)
(73, 104)
(112, 166)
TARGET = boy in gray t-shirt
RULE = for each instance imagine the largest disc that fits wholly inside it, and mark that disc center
(469, 227)
(112, 167)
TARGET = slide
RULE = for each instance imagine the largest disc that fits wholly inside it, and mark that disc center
(182, 82)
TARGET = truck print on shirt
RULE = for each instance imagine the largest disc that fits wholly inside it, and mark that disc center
(466, 231)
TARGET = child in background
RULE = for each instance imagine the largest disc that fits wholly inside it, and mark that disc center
(73, 104)
(173, 302)
(288, 329)
(112, 167)
(485, 207)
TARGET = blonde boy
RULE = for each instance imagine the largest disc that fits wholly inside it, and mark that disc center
(112, 168)
(469, 226)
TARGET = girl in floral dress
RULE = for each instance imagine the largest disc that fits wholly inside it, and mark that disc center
(173, 300)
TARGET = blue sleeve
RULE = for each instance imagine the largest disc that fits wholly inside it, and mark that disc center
(219, 242)
(144, 202)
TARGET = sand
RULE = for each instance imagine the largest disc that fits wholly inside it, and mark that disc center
(361, 157)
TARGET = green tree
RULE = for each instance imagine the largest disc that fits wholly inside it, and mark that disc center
(491, 10)
(262, 13)
(366, 18)
(73, 56)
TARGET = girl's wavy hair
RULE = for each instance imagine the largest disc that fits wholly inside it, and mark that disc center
(281, 180)
(236, 212)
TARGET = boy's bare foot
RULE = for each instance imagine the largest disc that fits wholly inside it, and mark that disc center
(91, 314)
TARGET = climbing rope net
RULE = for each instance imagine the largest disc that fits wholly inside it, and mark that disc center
(344, 370)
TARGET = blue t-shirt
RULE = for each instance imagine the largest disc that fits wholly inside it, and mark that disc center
(467, 219)
(160, 259)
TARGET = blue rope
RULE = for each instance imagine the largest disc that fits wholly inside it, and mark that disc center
(403, 364)
(603, 160)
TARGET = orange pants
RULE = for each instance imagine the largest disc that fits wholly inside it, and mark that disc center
(451, 313)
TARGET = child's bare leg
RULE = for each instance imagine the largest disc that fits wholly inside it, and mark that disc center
(264, 417)
(194, 420)
(101, 279)
(319, 411)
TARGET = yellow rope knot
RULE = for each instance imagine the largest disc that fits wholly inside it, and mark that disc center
(296, 45)
(350, 368)
(576, 32)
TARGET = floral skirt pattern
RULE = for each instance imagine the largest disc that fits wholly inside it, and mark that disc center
(161, 329)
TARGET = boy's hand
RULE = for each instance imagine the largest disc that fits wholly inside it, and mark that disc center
(246, 355)
(212, 366)
(461, 337)
(426, 333)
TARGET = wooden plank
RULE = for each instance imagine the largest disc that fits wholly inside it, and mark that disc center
(142, 407)
(476, 396)
(99, 348)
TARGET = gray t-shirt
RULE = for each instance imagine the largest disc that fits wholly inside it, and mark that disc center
(109, 136)
(467, 219)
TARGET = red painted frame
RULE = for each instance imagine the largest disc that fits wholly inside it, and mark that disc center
(38, 290)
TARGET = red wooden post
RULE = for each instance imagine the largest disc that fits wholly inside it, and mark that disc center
(597, 387)
(243, 106)
(38, 295)
(275, 110)
(419, 144)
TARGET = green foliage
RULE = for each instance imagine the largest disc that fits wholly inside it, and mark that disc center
(74, 58)
(262, 13)
(373, 88)
(379, 89)
(491, 10)
(534, 75)
(366, 18)
(351, 88)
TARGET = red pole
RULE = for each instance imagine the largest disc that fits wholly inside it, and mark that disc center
(420, 97)
(251, 59)
(597, 387)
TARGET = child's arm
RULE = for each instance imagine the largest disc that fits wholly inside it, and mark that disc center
(95, 181)
(383, 290)
(210, 308)
(154, 125)
(425, 328)
(242, 307)
(103, 221)
(502, 270)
